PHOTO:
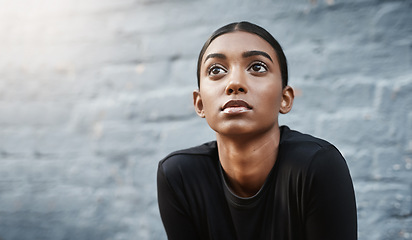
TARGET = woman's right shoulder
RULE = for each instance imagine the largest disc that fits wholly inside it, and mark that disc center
(190, 157)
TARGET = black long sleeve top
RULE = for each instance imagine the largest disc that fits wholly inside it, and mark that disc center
(308, 195)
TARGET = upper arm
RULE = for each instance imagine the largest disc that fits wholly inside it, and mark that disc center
(331, 199)
(174, 210)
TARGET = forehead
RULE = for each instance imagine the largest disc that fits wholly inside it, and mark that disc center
(239, 42)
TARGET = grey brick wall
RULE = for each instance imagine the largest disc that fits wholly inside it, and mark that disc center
(93, 93)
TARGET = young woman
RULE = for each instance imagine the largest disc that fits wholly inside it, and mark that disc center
(257, 180)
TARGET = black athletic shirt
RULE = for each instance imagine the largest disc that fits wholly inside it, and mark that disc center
(307, 195)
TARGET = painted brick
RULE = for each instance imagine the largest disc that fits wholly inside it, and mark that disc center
(161, 105)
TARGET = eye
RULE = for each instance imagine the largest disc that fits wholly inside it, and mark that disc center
(216, 70)
(258, 67)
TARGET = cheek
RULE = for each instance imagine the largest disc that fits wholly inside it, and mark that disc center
(211, 92)
(208, 102)
(271, 95)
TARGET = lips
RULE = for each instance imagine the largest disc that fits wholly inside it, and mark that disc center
(236, 106)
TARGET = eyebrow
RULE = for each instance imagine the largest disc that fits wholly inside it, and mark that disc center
(256, 53)
(215, 55)
(245, 55)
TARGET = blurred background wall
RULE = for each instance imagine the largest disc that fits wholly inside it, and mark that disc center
(93, 93)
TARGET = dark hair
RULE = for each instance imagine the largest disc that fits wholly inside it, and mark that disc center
(251, 28)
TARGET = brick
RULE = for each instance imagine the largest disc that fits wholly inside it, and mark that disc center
(47, 143)
(391, 163)
(336, 96)
(120, 143)
(408, 129)
(183, 73)
(167, 105)
(343, 127)
(172, 44)
(37, 113)
(89, 117)
(184, 134)
(391, 20)
(360, 161)
(377, 201)
(396, 93)
(134, 78)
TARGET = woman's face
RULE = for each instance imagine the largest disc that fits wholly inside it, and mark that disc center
(241, 86)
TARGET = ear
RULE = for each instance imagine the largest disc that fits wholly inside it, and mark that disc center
(198, 103)
(287, 100)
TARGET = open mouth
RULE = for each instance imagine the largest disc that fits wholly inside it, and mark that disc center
(236, 106)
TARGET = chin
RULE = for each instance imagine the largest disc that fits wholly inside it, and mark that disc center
(238, 130)
(235, 129)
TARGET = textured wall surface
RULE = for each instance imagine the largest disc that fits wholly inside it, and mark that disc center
(93, 93)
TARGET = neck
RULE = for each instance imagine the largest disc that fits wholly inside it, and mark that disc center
(247, 161)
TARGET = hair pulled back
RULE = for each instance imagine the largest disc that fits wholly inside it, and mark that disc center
(250, 28)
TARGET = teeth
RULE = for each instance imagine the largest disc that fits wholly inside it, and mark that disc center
(235, 109)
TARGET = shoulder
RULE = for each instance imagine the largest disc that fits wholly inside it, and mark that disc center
(295, 138)
(315, 162)
(304, 149)
(191, 160)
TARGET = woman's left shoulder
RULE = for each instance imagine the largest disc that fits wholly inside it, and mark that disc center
(307, 150)
(303, 146)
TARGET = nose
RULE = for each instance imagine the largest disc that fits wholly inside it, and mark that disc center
(236, 85)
